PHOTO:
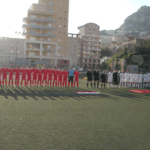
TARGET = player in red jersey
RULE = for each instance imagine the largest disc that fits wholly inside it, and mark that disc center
(55, 77)
(17, 75)
(4, 71)
(76, 77)
(0, 76)
(45, 73)
(35, 73)
(29, 72)
(60, 75)
(65, 77)
(50, 76)
(11, 74)
(40, 74)
(23, 75)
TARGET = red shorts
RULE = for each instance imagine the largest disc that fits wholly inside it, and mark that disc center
(29, 78)
(50, 77)
(10, 77)
(17, 78)
(55, 78)
(76, 79)
(39, 78)
(60, 80)
(4, 77)
(34, 77)
(65, 80)
(23, 77)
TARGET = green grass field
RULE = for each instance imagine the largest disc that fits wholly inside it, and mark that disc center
(59, 119)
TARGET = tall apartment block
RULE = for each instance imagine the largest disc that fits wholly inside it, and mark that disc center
(46, 32)
(90, 45)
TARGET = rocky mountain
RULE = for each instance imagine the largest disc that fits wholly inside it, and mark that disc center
(138, 21)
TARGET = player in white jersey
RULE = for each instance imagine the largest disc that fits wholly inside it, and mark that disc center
(136, 76)
(110, 79)
(145, 80)
(131, 79)
(127, 79)
(122, 79)
(140, 80)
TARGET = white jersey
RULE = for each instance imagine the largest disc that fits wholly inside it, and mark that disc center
(122, 77)
(145, 78)
(110, 77)
(131, 77)
(140, 80)
(127, 77)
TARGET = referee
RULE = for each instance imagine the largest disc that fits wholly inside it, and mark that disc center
(96, 77)
(89, 77)
(115, 75)
(71, 75)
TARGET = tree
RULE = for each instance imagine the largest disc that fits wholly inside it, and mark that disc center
(106, 52)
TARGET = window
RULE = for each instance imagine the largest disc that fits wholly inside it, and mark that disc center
(64, 32)
(43, 3)
(48, 46)
(58, 61)
(58, 54)
(49, 32)
(65, 62)
(50, 17)
(50, 25)
(51, 3)
(61, 4)
(59, 32)
(89, 29)
(59, 40)
(33, 16)
(60, 18)
(60, 26)
(58, 47)
(61, 11)
(64, 26)
(51, 10)
(65, 12)
(64, 18)
(49, 39)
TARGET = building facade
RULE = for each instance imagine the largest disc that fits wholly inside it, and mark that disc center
(46, 32)
(90, 51)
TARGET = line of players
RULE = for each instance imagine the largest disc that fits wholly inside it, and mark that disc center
(35, 77)
(129, 80)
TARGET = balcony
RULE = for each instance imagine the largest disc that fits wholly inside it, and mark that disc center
(33, 49)
(91, 40)
(37, 34)
(40, 12)
(48, 50)
(38, 20)
(91, 49)
(38, 27)
(32, 56)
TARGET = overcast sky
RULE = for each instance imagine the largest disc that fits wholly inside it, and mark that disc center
(108, 14)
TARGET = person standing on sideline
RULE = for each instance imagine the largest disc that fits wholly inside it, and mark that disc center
(60, 76)
(11, 74)
(131, 79)
(71, 75)
(4, 77)
(76, 78)
(96, 77)
(17, 75)
(89, 77)
(103, 79)
(122, 78)
(110, 77)
(127, 79)
(136, 76)
(140, 79)
(115, 76)
(65, 77)
(50, 76)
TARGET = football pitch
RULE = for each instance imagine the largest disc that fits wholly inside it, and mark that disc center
(59, 119)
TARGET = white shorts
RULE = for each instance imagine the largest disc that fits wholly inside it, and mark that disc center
(122, 80)
(127, 80)
(110, 80)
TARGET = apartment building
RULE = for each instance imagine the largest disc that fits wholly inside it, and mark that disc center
(90, 45)
(74, 48)
(46, 32)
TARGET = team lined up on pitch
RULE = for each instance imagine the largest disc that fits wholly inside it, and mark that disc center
(126, 79)
(36, 77)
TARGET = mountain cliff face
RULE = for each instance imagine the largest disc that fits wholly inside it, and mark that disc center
(138, 21)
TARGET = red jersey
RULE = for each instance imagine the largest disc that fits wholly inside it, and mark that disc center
(0, 73)
(65, 74)
(29, 72)
(60, 74)
(4, 70)
(76, 74)
(11, 73)
(23, 72)
(17, 71)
